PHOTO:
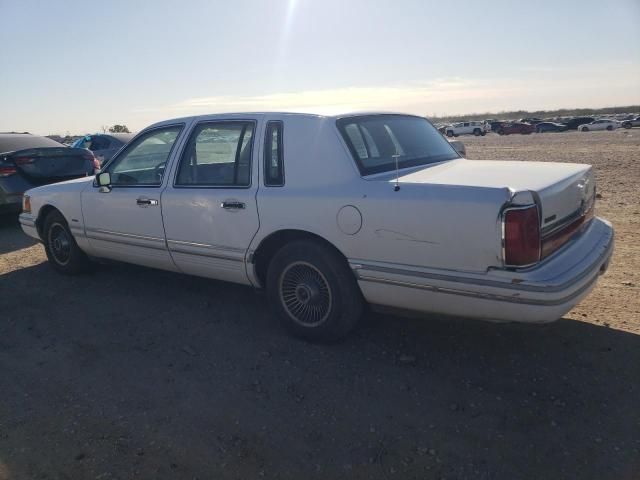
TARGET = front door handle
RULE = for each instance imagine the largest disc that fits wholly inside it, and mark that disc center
(146, 202)
(232, 205)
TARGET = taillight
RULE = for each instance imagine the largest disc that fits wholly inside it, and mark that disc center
(7, 171)
(521, 236)
(26, 204)
(94, 160)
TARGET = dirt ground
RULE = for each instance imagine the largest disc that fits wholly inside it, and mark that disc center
(134, 373)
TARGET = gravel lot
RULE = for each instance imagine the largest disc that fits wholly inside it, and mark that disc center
(135, 373)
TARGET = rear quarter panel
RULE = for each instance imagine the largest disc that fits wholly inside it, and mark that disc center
(439, 226)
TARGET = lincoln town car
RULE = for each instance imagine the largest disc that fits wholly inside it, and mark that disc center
(329, 214)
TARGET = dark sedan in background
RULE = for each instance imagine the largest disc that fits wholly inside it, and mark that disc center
(543, 127)
(508, 128)
(574, 123)
(103, 145)
(28, 161)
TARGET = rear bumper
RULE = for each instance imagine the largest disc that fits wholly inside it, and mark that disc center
(537, 295)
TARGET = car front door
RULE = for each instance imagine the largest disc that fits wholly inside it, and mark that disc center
(209, 208)
(124, 221)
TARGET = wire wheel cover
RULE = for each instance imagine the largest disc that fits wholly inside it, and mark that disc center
(60, 243)
(305, 294)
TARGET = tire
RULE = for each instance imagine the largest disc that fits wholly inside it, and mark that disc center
(449, 133)
(501, 132)
(483, 133)
(313, 291)
(61, 248)
(584, 129)
(477, 132)
(610, 127)
(626, 124)
(538, 130)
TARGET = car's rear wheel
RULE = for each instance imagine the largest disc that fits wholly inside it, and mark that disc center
(501, 132)
(449, 133)
(313, 291)
(61, 248)
(584, 129)
(477, 132)
(610, 127)
(626, 124)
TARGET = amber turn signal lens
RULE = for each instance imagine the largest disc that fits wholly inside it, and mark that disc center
(26, 204)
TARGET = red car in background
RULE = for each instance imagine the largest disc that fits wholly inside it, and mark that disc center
(508, 128)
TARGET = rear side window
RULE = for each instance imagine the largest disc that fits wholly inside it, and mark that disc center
(376, 140)
(218, 154)
(273, 155)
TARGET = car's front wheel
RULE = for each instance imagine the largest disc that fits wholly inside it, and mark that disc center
(477, 132)
(609, 127)
(584, 129)
(313, 291)
(61, 248)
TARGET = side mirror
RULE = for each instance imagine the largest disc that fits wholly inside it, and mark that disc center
(459, 146)
(103, 179)
(104, 182)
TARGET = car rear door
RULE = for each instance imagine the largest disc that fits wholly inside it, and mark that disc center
(124, 222)
(209, 207)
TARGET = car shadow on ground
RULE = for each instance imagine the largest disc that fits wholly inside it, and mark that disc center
(130, 371)
(13, 238)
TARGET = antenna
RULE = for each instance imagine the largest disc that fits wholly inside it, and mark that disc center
(397, 187)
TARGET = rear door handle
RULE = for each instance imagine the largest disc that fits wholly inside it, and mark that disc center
(146, 202)
(232, 205)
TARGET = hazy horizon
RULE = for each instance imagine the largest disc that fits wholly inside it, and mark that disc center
(75, 66)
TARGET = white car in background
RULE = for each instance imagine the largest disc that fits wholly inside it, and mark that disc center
(467, 128)
(630, 123)
(328, 213)
(600, 124)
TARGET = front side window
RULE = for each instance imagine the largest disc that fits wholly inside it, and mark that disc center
(218, 154)
(273, 155)
(144, 161)
(376, 140)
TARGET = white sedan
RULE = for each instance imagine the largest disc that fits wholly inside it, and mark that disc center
(328, 213)
(601, 124)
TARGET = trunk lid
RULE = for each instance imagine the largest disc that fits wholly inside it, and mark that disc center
(564, 190)
(43, 165)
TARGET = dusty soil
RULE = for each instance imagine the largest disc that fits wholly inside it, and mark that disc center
(134, 373)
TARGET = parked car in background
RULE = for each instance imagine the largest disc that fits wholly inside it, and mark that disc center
(496, 124)
(601, 124)
(467, 128)
(322, 212)
(516, 127)
(27, 161)
(574, 123)
(634, 122)
(531, 120)
(103, 145)
(544, 127)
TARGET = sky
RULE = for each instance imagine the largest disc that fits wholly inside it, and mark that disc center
(75, 66)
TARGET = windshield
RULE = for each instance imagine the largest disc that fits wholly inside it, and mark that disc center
(376, 140)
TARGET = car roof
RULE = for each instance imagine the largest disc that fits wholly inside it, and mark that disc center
(282, 114)
(10, 142)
